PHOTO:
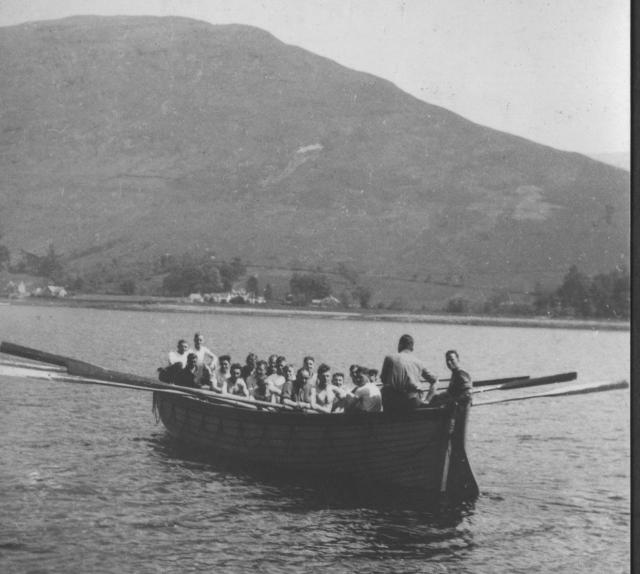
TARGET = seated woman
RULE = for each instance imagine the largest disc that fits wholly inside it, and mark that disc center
(235, 385)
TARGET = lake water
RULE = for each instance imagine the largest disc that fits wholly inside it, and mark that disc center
(90, 482)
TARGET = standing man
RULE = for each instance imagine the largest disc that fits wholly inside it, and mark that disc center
(204, 354)
(460, 384)
(207, 361)
(401, 374)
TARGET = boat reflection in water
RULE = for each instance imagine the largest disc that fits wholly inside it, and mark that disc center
(353, 521)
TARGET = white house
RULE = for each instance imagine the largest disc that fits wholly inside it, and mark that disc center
(329, 301)
(55, 291)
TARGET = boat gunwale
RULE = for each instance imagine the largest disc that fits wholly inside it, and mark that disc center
(355, 418)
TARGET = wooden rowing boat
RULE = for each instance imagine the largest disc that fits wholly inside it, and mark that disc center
(422, 452)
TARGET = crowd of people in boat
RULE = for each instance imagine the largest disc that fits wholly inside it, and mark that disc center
(398, 387)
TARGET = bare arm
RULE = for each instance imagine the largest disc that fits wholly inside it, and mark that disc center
(243, 388)
(427, 376)
(313, 400)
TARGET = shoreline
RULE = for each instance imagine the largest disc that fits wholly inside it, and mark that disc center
(158, 304)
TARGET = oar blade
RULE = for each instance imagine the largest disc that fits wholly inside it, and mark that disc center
(530, 382)
(567, 390)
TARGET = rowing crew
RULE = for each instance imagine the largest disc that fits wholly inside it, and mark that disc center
(276, 381)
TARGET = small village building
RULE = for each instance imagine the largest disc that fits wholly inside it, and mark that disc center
(17, 290)
(54, 291)
(329, 301)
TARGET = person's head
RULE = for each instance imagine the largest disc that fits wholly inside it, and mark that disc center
(337, 379)
(261, 369)
(280, 364)
(236, 371)
(302, 376)
(272, 361)
(362, 376)
(452, 359)
(225, 362)
(353, 371)
(288, 372)
(324, 374)
(405, 343)
(198, 339)
(252, 359)
(192, 360)
(309, 362)
(373, 375)
(182, 346)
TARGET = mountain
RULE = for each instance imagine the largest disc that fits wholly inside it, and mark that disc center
(620, 159)
(123, 138)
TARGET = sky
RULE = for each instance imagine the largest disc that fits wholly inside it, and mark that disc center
(556, 72)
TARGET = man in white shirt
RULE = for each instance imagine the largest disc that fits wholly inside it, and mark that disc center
(207, 360)
(401, 376)
(367, 394)
(179, 356)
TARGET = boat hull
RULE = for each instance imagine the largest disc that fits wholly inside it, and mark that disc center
(422, 452)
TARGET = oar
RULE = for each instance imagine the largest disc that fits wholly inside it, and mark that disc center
(487, 382)
(521, 383)
(481, 383)
(33, 354)
(582, 390)
(74, 367)
(87, 370)
(58, 376)
(141, 383)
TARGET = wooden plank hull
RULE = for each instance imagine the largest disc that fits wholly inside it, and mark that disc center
(422, 451)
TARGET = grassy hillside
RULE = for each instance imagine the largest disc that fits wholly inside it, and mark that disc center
(127, 138)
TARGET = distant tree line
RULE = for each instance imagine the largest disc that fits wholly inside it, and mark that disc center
(305, 287)
(190, 274)
(606, 296)
(49, 265)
